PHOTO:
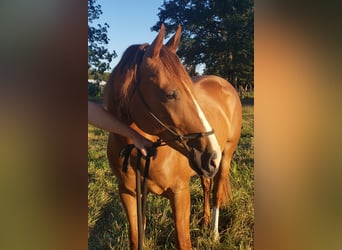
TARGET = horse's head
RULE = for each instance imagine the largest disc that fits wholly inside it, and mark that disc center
(163, 104)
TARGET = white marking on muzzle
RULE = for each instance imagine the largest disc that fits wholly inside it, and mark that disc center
(212, 138)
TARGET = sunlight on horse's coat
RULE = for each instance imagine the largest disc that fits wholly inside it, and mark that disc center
(209, 110)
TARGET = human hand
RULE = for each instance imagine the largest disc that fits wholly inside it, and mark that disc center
(141, 143)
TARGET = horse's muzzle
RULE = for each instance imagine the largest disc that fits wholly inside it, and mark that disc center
(204, 162)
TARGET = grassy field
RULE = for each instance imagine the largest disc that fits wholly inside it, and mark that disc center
(107, 223)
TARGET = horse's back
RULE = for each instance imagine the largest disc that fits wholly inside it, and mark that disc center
(221, 105)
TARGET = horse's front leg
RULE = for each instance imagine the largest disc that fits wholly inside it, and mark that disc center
(206, 186)
(180, 202)
(221, 190)
(128, 199)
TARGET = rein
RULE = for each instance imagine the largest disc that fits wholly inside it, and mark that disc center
(141, 197)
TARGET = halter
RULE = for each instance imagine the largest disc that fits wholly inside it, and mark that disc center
(177, 137)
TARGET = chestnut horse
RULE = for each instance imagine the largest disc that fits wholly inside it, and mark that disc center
(199, 119)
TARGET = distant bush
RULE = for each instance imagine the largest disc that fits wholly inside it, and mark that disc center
(93, 89)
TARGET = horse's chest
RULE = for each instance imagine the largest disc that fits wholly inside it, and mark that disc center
(171, 177)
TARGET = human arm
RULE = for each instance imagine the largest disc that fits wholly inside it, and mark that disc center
(99, 117)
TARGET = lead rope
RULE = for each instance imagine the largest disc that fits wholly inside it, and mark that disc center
(141, 232)
(140, 197)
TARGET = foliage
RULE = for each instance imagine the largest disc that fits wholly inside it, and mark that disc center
(107, 223)
(218, 34)
(99, 57)
(98, 76)
(93, 89)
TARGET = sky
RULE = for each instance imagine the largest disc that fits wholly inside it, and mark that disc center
(130, 22)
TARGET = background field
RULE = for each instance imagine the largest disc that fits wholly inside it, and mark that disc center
(107, 223)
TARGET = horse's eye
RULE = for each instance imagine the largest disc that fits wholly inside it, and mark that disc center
(172, 95)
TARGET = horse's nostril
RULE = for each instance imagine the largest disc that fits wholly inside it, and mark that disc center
(212, 159)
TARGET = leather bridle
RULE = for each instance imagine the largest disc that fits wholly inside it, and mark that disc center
(176, 136)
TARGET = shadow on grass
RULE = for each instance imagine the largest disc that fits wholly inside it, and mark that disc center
(247, 101)
(97, 99)
(108, 227)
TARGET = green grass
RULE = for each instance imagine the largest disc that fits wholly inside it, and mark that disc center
(107, 223)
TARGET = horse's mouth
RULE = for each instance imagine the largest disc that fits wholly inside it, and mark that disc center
(200, 171)
(203, 163)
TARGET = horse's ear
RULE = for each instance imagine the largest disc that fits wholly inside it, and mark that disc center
(172, 44)
(157, 44)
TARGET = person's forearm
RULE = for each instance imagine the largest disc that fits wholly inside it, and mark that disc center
(100, 118)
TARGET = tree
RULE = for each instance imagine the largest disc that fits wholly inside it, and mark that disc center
(99, 57)
(217, 33)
